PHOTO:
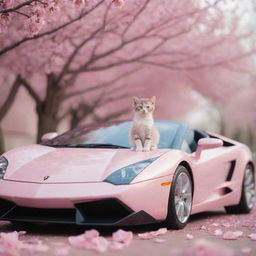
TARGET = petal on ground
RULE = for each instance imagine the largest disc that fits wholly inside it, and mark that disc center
(218, 232)
(232, 235)
(159, 240)
(152, 234)
(252, 236)
(122, 236)
(189, 237)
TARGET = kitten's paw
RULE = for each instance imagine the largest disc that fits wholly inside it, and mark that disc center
(145, 149)
(132, 149)
(153, 148)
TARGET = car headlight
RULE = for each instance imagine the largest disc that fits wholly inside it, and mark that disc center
(126, 174)
(3, 166)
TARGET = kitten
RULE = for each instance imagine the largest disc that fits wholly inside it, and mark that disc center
(144, 136)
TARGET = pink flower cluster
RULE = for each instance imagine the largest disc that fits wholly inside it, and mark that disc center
(91, 240)
(11, 245)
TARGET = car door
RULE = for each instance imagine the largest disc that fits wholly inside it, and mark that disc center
(211, 171)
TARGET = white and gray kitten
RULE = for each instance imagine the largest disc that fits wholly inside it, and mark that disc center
(144, 136)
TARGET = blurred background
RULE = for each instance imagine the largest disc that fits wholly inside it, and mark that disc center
(67, 63)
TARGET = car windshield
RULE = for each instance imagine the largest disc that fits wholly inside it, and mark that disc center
(114, 136)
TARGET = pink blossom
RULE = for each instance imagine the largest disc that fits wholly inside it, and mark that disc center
(205, 248)
(218, 232)
(232, 235)
(159, 240)
(9, 243)
(226, 225)
(160, 231)
(152, 234)
(79, 2)
(252, 236)
(203, 227)
(90, 240)
(91, 233)
(122, 236)
(189, 237)
(118, 3)
(22, 232)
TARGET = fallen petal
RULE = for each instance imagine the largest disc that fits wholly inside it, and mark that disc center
(189, 237)
(160, 231)
(232, 235)
(226, 225)
(203, 227)
(146, 235)
(218, 232)
(252, 236)
(91, 233)
(122, 236)
(22, 232)
(159, 240)
(152, 234)
(10, 244)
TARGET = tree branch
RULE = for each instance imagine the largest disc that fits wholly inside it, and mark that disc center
(101, 85)
(49, 32)
(17, 7)
(31, 91)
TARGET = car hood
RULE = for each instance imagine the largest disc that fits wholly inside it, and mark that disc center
(43, 164)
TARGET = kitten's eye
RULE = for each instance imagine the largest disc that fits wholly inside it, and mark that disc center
(148, 107)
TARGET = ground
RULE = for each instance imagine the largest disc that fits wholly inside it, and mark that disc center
(174, 242)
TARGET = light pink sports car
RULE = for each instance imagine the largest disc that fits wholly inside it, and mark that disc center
(89, 176)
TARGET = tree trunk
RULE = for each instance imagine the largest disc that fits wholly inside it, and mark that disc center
(48, 110)
(2, 146)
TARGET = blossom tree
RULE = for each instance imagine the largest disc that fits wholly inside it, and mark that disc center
(108, 45)
(31, 18)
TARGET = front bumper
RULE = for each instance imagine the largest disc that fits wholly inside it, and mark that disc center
(85, 203)
(107, 212)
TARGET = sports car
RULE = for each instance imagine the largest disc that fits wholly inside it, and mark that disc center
(90, 176)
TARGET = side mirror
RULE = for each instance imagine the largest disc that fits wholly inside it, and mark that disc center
(207, 143)
(49, 136)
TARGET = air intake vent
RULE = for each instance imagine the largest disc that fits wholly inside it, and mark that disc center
(107, 211)
(231, 170)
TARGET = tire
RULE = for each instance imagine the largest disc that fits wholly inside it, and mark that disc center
(248, 191)
(180, 199)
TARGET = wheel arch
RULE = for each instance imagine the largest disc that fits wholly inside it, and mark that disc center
(187, 166)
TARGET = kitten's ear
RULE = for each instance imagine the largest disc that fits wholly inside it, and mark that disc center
(153, 99)
(136, 100)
